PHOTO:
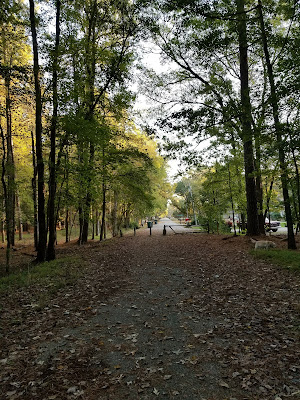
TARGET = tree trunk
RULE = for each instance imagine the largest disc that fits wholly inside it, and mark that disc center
(3, 219)
(67, 225)
(97, 223)
(242, 223)
(259, 189)
(268, 198)
(294, 201)
(90, 64)
(34, 194)
(246, 120)
(42, 239)
(67, 220)
(261, 221)
(86, 217)
(297, 205)
(52, 178)
(20, 224)
(7, 264)
(93, 225)
(80, 216)
(278, 130)
(231, 199)
(88, 198)
(2, 231)
(9, 168)
(102, 231)
(72, 224)
(114, 215)
(127, 216)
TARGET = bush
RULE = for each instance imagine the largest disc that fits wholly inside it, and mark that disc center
(133, 225)
(225, 227)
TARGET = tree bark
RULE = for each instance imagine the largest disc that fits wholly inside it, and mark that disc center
(278, 130)
(268, 198)
(93, 229)
(114, 215)
(34, 194)
(97, 222)
(241, 223)
(88, 199)
(9, 167)
(8, 247)
(231, 199)
(259, 189)
(85, 220)
(102, 230)
(90, 63)
(67, 226)
(53, 128)
(297, 202)
(2, 222)
(80, 216)
(42, 239)
(246, 120)
(19, 213)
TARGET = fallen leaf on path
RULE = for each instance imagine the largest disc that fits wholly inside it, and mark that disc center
(223, 384)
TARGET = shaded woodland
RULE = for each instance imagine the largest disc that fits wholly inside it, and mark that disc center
(233, 82)
(71, 152)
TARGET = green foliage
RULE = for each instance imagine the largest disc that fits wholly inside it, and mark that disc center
(283, 258)
(200, 39)
(101, 152)
(54, 274)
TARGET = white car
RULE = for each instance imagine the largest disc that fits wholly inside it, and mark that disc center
(272, 226)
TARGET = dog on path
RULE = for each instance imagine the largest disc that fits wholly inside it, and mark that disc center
(263, 244)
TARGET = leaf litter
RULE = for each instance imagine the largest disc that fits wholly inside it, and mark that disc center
(184, 316)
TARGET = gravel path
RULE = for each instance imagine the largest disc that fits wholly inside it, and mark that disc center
(189, 317)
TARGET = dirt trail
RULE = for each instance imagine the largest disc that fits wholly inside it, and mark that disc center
(160, 317)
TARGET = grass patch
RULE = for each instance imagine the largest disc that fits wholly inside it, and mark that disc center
(284, 258)
(54, 275)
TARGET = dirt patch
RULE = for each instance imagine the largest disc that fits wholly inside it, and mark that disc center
(177, 316)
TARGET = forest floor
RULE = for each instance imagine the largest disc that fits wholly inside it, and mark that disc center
(187, 316)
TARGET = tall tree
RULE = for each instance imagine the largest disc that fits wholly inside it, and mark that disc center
(246, 121)
(53, 129)
(42, 237)
(199, 37)
(104, 40)
(13, 63)
(279, 134)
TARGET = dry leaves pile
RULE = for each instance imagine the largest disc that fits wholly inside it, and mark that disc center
(160, 317)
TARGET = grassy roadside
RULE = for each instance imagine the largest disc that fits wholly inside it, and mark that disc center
(28, 237)
(54, 275)
(289, 259)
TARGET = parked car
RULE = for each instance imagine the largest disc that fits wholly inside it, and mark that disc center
(272, 226)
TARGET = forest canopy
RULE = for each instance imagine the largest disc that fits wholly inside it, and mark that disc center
(72, 154)
(234, 81)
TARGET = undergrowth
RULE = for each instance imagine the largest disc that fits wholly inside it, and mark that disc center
(53, 274)
(289, 259)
